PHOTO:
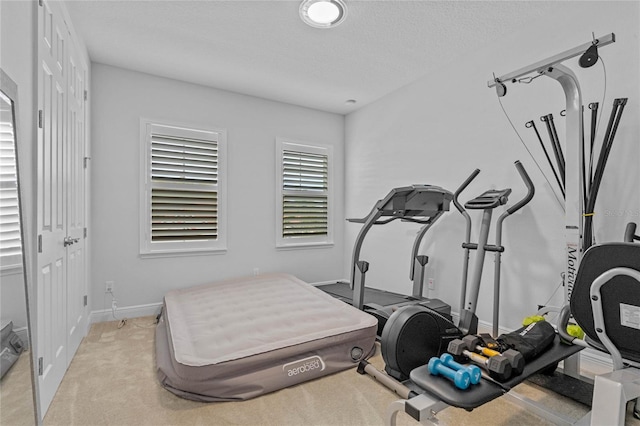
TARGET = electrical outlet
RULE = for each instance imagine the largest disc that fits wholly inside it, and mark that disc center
(432, 283)
(109, 286)
(256, 271)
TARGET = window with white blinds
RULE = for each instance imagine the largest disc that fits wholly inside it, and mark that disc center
(183, 194)
(10, 239)
(304, 194)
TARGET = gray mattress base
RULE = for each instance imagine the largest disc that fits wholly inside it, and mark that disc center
(259, 374)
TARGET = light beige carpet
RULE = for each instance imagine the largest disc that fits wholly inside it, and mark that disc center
(112, 381)
(16, 397)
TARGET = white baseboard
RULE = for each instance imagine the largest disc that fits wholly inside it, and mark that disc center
(594, 360)
(104, 315)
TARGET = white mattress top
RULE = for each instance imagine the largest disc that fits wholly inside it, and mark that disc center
(237, 318)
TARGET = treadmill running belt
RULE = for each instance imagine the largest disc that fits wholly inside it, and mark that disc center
(371, 295)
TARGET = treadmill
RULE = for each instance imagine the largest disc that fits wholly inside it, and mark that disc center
(421, 204)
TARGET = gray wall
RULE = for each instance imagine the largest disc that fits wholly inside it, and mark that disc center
(438, 129)
(118, 99)
(17, 59)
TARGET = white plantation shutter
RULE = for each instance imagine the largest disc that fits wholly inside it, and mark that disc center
(184, 199)
(184, 190)
(10, 241)
(304, 201)
(304, 192)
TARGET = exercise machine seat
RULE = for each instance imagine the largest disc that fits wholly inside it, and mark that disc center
(619, 296)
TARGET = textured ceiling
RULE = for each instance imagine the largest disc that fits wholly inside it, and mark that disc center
(262, 48)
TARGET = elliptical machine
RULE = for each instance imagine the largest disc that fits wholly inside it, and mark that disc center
(414, 334)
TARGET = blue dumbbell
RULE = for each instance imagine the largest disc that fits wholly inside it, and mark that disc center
(474, 371)
(460, 378)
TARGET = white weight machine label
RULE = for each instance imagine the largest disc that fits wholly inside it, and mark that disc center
(630, 316)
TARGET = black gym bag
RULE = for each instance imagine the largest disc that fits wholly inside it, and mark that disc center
(530, 341)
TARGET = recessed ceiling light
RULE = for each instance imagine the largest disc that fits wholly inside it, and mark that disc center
(323, 13)
(350, 101)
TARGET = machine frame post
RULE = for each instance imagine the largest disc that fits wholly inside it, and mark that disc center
(574, 206)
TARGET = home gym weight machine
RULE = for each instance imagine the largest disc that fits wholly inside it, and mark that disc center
(421, 204)
(553, 68)
(574, 159)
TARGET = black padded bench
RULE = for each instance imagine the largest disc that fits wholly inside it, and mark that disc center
(488, 389)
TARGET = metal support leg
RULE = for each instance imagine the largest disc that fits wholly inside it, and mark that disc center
(476, 276)
(358, 285)
(423, 408)
(571, 366)
(419, 264)
(392, 411)
(610, 396)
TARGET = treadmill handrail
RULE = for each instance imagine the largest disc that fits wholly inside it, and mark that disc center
(418, 240)
(420, 221)
(392, 218)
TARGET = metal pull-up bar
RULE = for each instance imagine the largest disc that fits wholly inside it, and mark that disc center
(543, 65)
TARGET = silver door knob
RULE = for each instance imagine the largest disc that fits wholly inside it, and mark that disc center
(68, 241)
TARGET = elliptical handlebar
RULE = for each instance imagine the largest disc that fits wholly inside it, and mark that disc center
(462, 188)
(530, 189)
(467, 234)
(517, 206)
